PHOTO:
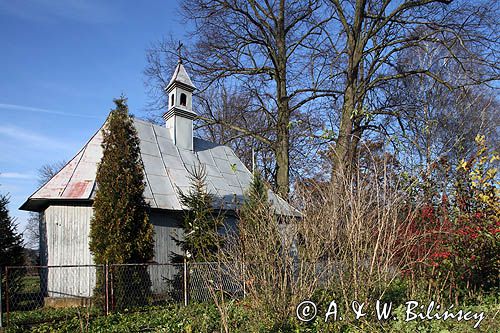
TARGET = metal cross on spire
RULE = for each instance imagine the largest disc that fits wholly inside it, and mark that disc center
(179, 49)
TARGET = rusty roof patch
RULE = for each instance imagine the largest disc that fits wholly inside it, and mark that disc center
(78, 189)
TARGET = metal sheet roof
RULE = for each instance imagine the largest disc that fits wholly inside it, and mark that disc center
(166, 168)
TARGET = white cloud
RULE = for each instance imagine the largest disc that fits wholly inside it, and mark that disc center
(87, 11)
(17, 175)
(16, 107)
(32, 138)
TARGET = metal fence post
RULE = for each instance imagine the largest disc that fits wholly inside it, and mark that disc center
(185, 283)
(244, 279)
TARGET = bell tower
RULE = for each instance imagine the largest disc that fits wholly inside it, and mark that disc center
(180, 115)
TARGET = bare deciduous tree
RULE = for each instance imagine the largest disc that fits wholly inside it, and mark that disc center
(32, 232)
(267, 50)
(376, 33)
(290, 61)
(433, 122)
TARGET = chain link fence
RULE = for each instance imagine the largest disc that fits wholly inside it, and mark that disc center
(116, 287)
(206, 279)
(27, 288)
(136, 285)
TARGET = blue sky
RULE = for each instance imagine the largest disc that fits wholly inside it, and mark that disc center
(61, 65)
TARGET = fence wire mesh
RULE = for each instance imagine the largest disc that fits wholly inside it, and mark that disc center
(27, 288)
(24, 287)
(206, 279)
(137, 285)
(117, 287)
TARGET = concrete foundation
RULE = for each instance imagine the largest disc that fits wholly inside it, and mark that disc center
(66, 302)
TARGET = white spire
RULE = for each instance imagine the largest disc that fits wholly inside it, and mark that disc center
(181, 77)
(180, 115)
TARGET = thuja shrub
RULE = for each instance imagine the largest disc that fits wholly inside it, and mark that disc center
(120, 231)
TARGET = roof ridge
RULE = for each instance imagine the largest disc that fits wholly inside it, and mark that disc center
(160, 126)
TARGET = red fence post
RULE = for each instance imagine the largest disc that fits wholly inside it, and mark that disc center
(1, 310)
(7, 300)
(112, 293)
(106, 295)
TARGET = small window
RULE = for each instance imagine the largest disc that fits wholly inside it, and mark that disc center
(183, 99)
(172, 98)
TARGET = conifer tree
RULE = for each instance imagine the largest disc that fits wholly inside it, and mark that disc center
(259, 246)
(201, 222)
(11, 248)
(256, 218)
(120, 229)
(257, 194)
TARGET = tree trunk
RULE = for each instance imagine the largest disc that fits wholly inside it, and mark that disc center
(343, 150)
(282, 145)
(282, 152)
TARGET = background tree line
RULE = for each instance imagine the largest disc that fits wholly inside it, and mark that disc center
(304, 83)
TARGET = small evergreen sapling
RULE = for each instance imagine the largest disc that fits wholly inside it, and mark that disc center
(201, 222)
(258, 224)
(257, 195)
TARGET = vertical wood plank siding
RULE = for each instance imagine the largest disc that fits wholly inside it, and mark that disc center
(67, 240)
(67, 235)
(166, 228)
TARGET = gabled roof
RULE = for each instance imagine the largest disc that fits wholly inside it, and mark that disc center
(166, 168)
(180, 76)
